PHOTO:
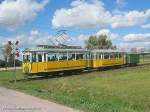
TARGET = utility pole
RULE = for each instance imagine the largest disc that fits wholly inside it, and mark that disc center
(62, 37)
(14, 53)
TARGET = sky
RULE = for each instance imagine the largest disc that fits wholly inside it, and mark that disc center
(32, 22)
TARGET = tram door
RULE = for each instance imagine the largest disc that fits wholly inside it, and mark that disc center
(37, 62)
(89, 60)
(41, 59)
(26, 63)
(34, 62)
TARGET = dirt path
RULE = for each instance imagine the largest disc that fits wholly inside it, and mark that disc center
(12, 101)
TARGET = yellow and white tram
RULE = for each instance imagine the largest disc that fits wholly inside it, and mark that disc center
(105, 58)
(59, 60)
(52, 60)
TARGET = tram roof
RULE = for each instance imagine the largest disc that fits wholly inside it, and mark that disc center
(72, 50)
(55, 50)
(108, 51)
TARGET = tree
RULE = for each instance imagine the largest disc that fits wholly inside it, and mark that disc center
(7, 52)
(99, 42)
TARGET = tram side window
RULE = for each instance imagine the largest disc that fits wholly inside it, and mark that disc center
(88, 56)
(93, 56)
(97, 56)
(44, 57)
(112, 55)
(39, 57)
(79, 56)
(33, 57)
(71, 56)
(106, 55)
(85, 56)
(116, 55)
(120, 55)
(26, 58)
(62, 56)
(100, 55)
(52, 57)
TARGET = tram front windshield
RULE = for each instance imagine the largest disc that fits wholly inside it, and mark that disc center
(26, 58)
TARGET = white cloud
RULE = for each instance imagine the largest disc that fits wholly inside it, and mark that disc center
(83, 37)
(128, 46)
(108, 33)
(137, 37)
(83, 14)
(29, 40)
(131, 18)
(14, 13)
(146, 26)
(34, 38)
(135, 41)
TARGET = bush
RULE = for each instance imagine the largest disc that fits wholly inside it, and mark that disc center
(17, 63)
(10, 63)
(2, 63)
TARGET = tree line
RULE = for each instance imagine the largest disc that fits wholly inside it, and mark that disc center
(10, 63)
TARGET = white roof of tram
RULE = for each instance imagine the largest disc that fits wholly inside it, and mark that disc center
(108, 51)
(72, 50)
(55, 50)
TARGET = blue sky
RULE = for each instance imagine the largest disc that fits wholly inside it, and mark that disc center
(126, 22)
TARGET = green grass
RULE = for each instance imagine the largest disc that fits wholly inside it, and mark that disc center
(119, 90)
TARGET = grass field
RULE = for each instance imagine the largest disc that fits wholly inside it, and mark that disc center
(119, 90)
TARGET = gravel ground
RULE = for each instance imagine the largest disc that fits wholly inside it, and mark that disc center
(13, 101)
